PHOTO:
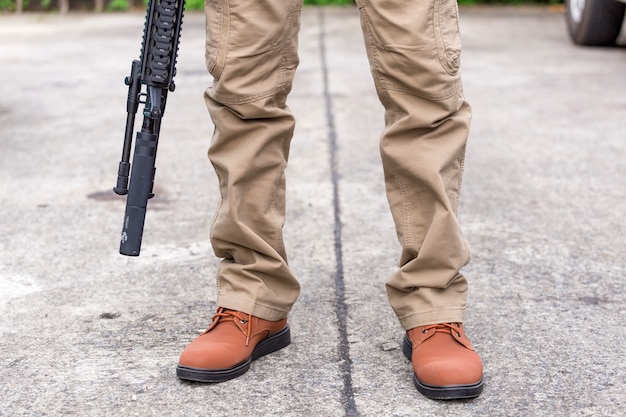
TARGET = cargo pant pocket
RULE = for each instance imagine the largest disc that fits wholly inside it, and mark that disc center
(217, 35)
(447, 34)
(251, 47)
(413, 46)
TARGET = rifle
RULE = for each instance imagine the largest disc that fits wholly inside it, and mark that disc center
(156, 70)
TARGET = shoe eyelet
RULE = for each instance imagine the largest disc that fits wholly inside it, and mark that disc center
(424, 331)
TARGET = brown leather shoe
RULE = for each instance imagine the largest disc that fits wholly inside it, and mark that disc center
(445, 364)
(232, 341)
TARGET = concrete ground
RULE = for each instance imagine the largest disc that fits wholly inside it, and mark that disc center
(85, 331)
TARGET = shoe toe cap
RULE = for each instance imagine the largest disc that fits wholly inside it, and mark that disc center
(450, 371)
(213, 356)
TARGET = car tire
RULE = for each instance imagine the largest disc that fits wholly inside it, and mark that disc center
(594, 22)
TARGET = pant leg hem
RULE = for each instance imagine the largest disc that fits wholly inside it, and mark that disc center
(451, 315)
(251, 307)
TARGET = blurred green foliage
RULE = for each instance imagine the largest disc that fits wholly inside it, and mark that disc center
(194, 4)
(9, 5)
(118, 5)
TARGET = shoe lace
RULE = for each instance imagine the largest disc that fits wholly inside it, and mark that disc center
(236, 317)
(444, 328)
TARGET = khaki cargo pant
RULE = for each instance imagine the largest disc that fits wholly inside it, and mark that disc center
(414, 52)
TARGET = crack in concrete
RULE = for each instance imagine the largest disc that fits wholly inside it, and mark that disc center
(340, 299)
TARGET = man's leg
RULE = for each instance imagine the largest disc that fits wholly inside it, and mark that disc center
(414, 51)
(251, 52)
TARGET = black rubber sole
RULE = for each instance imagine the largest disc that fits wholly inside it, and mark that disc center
(268, 345)
(448, 392)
